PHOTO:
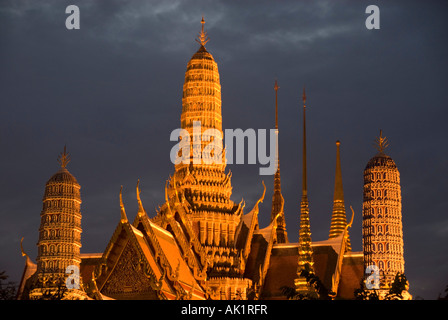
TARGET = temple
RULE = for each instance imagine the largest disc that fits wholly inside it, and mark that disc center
(201, 244)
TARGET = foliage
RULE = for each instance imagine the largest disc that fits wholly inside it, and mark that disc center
(446, 295)
(363, 294)
(395, 292)
(52, 293)
(289, 292)
(7, 290)
(398, 286)
(314, 282)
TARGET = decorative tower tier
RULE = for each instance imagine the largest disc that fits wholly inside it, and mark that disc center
(382, 222)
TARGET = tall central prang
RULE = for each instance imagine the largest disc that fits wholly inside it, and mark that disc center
(203, 187)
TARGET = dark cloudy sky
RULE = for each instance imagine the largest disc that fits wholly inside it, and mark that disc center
(111, 91)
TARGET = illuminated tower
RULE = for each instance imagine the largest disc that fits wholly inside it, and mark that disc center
(277, 199)
(199, 180)
(60, 231)
(305, 250)
(338, 218)
(382, 227)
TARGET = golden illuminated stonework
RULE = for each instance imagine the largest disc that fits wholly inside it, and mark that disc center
(59, 233)
(382, 221)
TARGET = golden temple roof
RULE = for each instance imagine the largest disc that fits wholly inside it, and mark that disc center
(63, 176)
(381, 159)
(202, 53)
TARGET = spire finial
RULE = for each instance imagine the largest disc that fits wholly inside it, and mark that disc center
(304, 184)
(338, 189)
(276, 104)
(203, 38)
(64, 158)
(304, 97)
(381, 142)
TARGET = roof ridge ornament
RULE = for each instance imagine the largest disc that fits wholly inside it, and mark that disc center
(64, 158)
(381, 142)
(141, 210)
(124, 218)
(23, 251)
(203, 38)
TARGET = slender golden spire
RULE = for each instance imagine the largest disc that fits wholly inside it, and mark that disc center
(277, 158)
(338, 189)
(338, 218)
(203, 38)
(305, 260)
(381, 143)
(276, 87)
(64, 158)
(277, 198)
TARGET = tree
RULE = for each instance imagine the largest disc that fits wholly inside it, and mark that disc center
(7, 290)
(57, 292)
(363, 294)
(322, 292)
(396, 290)
(398, 286)
(446, 295)
(289, 292)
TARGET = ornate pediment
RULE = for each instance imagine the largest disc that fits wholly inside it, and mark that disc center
(127, 277)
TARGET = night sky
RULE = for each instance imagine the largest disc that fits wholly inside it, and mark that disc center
(111, 92)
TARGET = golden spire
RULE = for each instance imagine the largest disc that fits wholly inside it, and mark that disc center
(64, 158)
(276, 105)
(276, 133)
(338, 217)
(304, 184)
(203, 38)
(277, 213)
(338, 189)
(381, 142)
(305, 260)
